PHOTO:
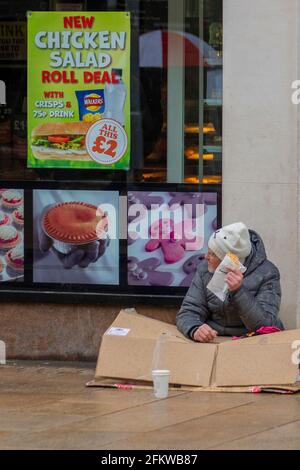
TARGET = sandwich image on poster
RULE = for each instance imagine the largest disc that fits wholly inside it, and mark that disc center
(11, 235)
(78, 90)
(75, 237)
(60, 140)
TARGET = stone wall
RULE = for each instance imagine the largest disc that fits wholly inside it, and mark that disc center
(260, 147)
(63, 332)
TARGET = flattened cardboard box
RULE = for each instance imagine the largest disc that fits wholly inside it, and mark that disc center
(134, 345)
(260, 360)
(123, 384)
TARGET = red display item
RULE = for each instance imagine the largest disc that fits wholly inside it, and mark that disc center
(18, 216)
(11, 199)
(75, 222)
(174, 240)
(9, 237)
(4, 219)
(15, 258)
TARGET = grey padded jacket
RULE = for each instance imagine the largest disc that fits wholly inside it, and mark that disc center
(254, 305)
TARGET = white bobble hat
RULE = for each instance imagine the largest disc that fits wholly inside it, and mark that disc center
(232, 238)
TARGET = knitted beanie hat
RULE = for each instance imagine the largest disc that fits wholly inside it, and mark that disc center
(234, 238)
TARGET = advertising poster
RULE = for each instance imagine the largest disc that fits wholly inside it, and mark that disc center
(11, 235)
(168, 235)
(79, 90)
(75, 239)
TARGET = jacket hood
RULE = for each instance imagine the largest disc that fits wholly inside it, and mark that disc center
(258, 253)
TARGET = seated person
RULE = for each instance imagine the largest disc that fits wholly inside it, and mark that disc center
(253, 298)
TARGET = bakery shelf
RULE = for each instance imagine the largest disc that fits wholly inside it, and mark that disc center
(212, 148)
(212, 102)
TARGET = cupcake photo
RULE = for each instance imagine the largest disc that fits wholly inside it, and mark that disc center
(11, 199)
(4, 219)
(18, 216)
(15, 258)
(9, 237)
(11, 234)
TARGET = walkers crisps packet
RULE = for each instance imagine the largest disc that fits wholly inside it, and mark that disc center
(91, 104)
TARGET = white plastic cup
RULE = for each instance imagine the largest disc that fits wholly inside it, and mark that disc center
(161, 383)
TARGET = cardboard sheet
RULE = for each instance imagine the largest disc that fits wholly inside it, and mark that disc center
(134, 345)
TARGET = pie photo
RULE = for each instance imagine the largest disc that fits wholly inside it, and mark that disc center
(75, 222)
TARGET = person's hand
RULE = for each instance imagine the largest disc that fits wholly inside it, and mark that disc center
(83, 255)
(205, 334)
(234, 279)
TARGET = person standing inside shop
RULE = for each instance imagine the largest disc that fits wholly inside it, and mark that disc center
(253, 298)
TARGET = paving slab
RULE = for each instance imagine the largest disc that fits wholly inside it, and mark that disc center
(47, 406)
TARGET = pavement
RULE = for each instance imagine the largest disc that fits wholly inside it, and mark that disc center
(46, 405)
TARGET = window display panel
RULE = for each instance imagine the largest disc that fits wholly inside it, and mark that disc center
(167, 236)
(11, 234)
(75, 237)
(85, 242)
(173, 102)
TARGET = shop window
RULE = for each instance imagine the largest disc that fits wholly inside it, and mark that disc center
(175, 159)
(176, 91)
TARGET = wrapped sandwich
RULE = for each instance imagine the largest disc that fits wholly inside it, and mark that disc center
(217, 284)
